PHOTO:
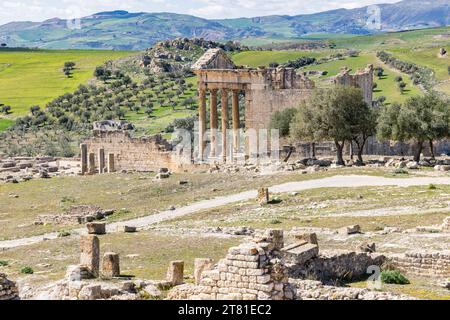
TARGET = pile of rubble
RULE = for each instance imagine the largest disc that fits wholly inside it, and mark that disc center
(308, 165)
(21, 169)
(316, 290)
(75, 214)
(8, 289)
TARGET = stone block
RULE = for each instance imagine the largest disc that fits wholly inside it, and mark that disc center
(300, 253)
(201, 265)
(127, 229)
(348, 230)
(175, 273)
(96, 228)
(90, 292)
(263, 196)
(307, 237)
(111, 265)
(77, 273)
(90, 254)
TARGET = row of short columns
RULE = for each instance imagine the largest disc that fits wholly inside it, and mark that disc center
(110, 267)
(214, 121)
(88, 166)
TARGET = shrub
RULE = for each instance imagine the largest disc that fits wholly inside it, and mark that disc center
(393, 277)
(26, 270)
(3, 263)
(63, 234)
(432, 187)
(275, 221)
(401, 171)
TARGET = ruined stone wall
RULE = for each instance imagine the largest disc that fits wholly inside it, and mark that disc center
(8, 289)
(135, 154)
(435, 264)
(331, 265)
(249, 272)
(362, 79)
(261, 104)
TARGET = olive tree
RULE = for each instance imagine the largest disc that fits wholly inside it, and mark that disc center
(336, 115)
(420, 119)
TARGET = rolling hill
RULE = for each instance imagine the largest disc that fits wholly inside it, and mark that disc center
(121, 30)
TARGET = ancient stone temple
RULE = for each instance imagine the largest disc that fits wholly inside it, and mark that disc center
(263, 92)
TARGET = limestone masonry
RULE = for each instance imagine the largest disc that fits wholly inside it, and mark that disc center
(8, 289)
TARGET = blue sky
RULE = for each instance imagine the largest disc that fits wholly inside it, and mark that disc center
(38, 10)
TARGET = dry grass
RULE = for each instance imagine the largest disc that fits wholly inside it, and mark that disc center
(144, 254)
(139, 194)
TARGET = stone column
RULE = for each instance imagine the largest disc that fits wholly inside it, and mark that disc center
(175, 273)
(202, 123)
(225, 123)
(200, 265)
(101, 161)
(213, 122)
(90, 254)
(236, 120)
(111, 167)
(84, 159)
(91, 163)
(111, 265)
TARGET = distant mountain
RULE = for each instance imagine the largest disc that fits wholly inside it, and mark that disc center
(136, 31)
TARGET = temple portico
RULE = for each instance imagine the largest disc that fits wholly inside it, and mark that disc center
(264, 90)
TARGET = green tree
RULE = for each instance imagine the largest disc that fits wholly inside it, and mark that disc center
(281, 120)
(102, 73)
(401, 86)
(420, 119)
(330, 115)
(379, 72)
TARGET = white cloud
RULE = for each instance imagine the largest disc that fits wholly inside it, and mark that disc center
(38, 10)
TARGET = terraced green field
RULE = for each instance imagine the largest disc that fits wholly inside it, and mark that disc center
(31, 77)
(386, 85)
(396, 40)
(428, 57)
(5, 123)
(264, 58)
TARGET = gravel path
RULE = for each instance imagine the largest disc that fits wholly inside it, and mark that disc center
(351, 181)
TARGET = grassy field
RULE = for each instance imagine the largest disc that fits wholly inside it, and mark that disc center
(264, 58)
(5, 123)
(329, 208)
(395, 40)
(148, 260)
(131, 195)
(31, 77)
(428, 57)
(386, 85)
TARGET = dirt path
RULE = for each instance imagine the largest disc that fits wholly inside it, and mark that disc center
(351, 181)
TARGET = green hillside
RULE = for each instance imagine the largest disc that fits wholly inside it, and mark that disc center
(397, 40)
(264, 58)
(386, 85)
(29, 77)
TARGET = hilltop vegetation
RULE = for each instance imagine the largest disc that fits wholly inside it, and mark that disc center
(121, 30)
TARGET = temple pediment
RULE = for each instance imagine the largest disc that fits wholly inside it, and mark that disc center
(214, 59)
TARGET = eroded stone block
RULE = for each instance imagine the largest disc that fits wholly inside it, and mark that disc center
(96, 228)
(175, 273)
(111, 265)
